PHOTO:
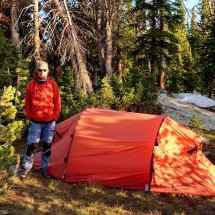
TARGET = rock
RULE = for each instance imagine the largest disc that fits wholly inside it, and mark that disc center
(181, 112)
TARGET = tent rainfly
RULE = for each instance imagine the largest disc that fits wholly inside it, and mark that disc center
(131, 151)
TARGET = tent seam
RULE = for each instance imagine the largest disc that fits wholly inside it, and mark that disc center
(64, 176)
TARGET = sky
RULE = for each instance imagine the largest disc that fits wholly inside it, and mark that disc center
(191, 3)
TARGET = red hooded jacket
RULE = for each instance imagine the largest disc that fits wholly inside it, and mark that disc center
(42, 101)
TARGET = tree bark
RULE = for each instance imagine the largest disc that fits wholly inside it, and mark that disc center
(14, 28)
(36, 32)
(163, 60)
(100, 47)
(153, 42)
(109, 13)
(162, 74)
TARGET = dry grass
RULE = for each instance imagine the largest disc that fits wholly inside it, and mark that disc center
(36, 195)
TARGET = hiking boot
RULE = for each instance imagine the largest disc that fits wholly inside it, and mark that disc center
(22, 172)
(45, 174)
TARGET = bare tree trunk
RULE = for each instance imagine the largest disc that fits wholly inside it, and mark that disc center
(36, 31)
(14, 28)
(15, 39)
(108, 37)
(119, 62)
(213, 6)
(163, 60)
(162, 74)
(211, 86)
(83, 81)
(100, 47)
(152, 57)
(120, 71)
(57, 67)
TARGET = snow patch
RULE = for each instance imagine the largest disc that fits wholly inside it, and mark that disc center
(196, 99)
(184, 105)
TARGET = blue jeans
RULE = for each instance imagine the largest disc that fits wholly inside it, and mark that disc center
(36, 132)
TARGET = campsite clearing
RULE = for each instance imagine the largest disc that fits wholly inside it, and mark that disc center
(36, 195)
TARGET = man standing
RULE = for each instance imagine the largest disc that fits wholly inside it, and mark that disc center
(42, 106)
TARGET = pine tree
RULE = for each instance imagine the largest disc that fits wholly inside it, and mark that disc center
(157, 43)
(205, 11)
(104, 97)
(207, 47)
(9, 131)
(183, 77)
(194, 39)
(11, 126)
(9, 60)
(123, 40)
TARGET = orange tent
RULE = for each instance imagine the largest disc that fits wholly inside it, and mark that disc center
(132, 151)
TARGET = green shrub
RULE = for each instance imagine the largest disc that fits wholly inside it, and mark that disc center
(195, 123)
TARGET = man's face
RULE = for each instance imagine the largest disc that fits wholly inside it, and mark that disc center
(42, 72)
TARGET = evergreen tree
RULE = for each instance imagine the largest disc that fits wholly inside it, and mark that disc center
(9, 131)
(9, 60)
(208, 59)
(194, 39)
(207, 47)
(123, 40)
(183, 76)
(104, 96)
(72, 101)
(157, 43)
(205, 11)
